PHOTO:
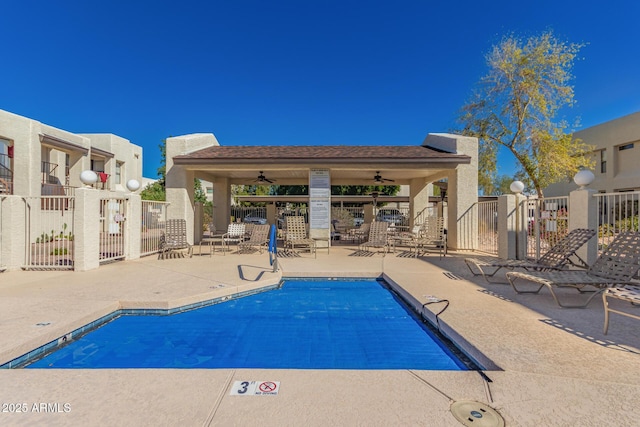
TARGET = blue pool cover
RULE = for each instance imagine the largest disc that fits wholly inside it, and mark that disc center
(306, 324)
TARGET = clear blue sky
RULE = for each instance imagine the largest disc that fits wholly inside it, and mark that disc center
(291, 72)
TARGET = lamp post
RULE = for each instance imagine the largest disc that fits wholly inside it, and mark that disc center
(374, 195)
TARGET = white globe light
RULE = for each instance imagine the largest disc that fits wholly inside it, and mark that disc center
(517, 187)
(133, 185)
(584, 178)
(88, 177)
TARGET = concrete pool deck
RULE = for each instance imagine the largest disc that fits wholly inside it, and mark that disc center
(548, 366)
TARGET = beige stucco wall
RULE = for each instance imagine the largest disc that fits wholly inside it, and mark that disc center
(622, 171)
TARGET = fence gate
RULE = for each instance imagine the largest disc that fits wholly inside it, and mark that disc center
(49, 233)
(112, 228)
(547, 221)
(488, 226)
(154, 216)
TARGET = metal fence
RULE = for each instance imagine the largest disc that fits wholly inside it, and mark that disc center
(154, 216)
(617, 212)
(488, 226)
(250, 214)
(398, 216)
(428, 212)
(49, 233)
(547, 221)
(113, 212)
(351, 216)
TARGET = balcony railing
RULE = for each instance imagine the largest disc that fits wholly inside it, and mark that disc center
(48, 170)
(57, 190)
(103, 180)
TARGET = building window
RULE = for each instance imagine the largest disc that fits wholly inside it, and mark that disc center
(118, 172)
(97, 165)
(603, 161)
(625, 147)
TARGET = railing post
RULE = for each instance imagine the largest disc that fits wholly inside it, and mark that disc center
(86, 229)
(583, 213)
(507, 228)
(14, 232)
(133, 227)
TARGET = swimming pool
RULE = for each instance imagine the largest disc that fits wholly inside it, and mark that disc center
(304, 324)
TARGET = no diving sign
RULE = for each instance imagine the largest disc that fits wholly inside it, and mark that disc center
(255, 388)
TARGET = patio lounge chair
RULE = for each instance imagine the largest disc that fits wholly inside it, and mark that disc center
(296, 235)
(629, 293)
(432, 233)
(556, 258)
(174, 238)
(615, 267)
(378, 237)
(259, 239)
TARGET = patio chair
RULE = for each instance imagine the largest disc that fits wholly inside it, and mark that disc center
(432, 233)
(339, 231)
(296, 235)
(406, 238)
(173, 238)
(248, 229)
(378, 237)
(556, 258)
(629, 293)
(235, 234)
(358, 234)
(615, 267)
(259, 239)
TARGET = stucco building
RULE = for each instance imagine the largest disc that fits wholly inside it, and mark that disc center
(616, 157)
(38, 159)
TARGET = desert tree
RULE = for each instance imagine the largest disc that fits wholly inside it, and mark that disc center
(516, 107)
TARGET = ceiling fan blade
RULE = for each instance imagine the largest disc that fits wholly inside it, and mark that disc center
(378, 179)
(263, 179)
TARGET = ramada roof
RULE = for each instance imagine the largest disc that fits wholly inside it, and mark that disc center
(334, 154)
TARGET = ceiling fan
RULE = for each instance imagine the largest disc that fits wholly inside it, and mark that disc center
(378, 179)
(263, 179)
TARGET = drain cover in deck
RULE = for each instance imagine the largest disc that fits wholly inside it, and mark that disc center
(476, 414)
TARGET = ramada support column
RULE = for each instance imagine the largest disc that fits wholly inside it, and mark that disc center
(221, 203)
(462, 191)
(419, 192)
(179, 181)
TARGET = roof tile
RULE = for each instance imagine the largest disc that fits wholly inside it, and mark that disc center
(317, 152)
